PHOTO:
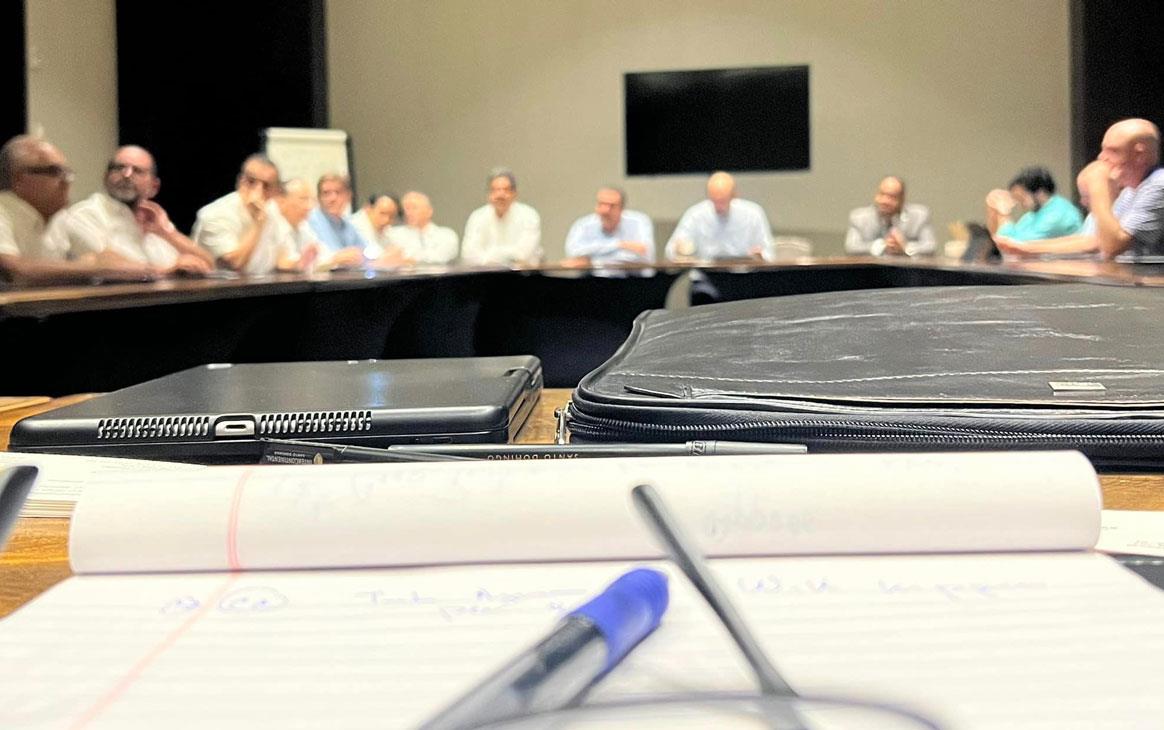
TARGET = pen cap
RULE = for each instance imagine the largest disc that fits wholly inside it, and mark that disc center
(627, 611)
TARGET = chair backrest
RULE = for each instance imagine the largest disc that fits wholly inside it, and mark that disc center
(791, 247)
(981, 245)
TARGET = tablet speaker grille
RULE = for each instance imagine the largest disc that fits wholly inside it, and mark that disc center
(152, 427)
(314, 422)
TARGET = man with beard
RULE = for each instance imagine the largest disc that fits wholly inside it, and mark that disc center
(34, 186)
(1041, 213)
(125, 220)
(1125, 190)
(505, 231)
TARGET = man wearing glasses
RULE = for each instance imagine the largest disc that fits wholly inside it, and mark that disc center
(125, 219)
(34, 185)
(238, 229)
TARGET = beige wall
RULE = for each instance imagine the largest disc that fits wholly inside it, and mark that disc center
(954, 96)
(72, 82)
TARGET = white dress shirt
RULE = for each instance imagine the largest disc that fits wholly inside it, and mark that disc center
(292, 240)
(22, 231)
(516, 237)
(220, 224)
(100, 223)
(731, 236)
(377, 242)
(432, 244)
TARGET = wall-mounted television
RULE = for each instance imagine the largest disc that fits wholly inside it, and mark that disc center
(735, 119)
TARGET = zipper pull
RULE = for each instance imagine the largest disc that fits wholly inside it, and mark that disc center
(560, 428)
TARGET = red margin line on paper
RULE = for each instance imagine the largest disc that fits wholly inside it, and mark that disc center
(101, 705)
(232, 524)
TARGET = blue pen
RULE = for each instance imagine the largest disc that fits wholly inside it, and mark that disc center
(558, 670)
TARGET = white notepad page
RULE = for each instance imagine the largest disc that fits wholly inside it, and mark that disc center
(1028, 640)
(1061, 640)
(224, 518)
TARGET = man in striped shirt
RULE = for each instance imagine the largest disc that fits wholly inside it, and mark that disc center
(1126, 190)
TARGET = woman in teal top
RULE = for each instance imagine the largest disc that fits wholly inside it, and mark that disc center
(1047, 215)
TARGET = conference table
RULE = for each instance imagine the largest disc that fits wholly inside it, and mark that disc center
(71, 339)
(37, 554)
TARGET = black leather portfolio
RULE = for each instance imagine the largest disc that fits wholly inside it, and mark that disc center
(940, 368)
(219, 413)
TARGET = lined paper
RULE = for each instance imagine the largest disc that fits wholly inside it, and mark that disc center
(229, 518)
(1066, 640)
(1005, 639)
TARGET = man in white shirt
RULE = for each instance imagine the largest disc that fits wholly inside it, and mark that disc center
(505, 231)
(374, 220)
(611, 234)
(419, 240)
(298, 246)
(34, 186)
(236, 228)
(125, 219)
(722, 227)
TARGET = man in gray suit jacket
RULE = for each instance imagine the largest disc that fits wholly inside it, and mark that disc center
(890, 227)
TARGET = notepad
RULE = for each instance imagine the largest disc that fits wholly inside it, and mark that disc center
(62, 478)
(371, 595)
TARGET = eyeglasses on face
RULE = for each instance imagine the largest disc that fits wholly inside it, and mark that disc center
(122, 168)
(251, 180)
(58, 171)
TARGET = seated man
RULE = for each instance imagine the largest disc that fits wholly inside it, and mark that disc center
(722, 227)
(419, 240)
(341, 244)
(34, 186)
(1044, 214)
(611, 234)
(374, 220)
(298, 246)
(125, 219)
(890, 227)
(237, 228)
(1126, 191)
(504, 231)
(1088, 225)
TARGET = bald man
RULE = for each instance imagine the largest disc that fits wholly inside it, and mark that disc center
(34, 186)
(123, 218)
(890, 227)
(1125, 189)
(722, 227)
(420, 240)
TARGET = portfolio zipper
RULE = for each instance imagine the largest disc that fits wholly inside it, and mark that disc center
(928, 434)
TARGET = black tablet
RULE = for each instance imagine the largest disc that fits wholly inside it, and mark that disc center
(217, 413)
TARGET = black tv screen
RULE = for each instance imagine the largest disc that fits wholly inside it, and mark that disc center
(734, 119)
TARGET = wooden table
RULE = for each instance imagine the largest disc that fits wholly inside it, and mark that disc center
(37, 554)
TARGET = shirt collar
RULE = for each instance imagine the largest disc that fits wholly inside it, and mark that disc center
(20, 208)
